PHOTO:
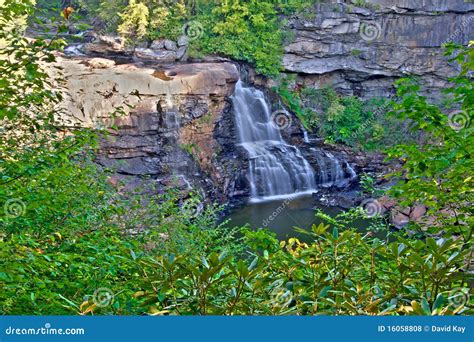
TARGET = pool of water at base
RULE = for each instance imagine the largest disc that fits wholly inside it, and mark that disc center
(283, 216)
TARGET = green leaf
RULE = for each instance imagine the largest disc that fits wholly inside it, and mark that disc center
(425, 306)
(324, 291)
(438, 303)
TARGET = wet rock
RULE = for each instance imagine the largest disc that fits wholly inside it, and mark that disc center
(342, 199)
(74, 50)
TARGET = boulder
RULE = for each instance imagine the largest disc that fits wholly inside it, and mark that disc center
(157, 44)
(158, 56)
(183, 41)
(170, 45)
(100, 63)
(399, 219)
(105, 45)
(387, 202)
(181, 54)
(417, 212)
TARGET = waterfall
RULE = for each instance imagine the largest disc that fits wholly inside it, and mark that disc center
(276, 169)
(305, 135)
(331, 171)
(171, 115)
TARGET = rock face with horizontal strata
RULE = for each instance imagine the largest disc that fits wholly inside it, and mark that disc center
(166, 110)
(362, 51)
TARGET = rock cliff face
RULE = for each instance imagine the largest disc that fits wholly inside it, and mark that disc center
(164, 118)
(363, 50)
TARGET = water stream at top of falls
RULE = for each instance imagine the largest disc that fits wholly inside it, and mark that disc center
(276, 169)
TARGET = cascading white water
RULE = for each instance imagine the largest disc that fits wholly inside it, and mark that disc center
(305, 135)
(276, 169)
(331, 170)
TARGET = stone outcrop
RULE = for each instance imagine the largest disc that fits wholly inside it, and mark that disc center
(163, 51)
(401, 216)
(160, 51)
(160, 114)
(363, 50)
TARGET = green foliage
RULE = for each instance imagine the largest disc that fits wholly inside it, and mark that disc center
(34, 149)
(292, 99)
(437, 171)
(134, 21)
(167, 19)
(102, 16)
(249, 31)
(344, 119)
(65, 229)
(367, 183)
(339, 272)
(57, 272)
(53, 274)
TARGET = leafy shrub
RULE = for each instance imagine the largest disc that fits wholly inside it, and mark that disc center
(437, 170)
(344, 119)
(54, 273)
(65, 230)
(337, 273)
(135, 21)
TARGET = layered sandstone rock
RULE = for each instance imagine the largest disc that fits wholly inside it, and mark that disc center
(158, 112)
(363, 50)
